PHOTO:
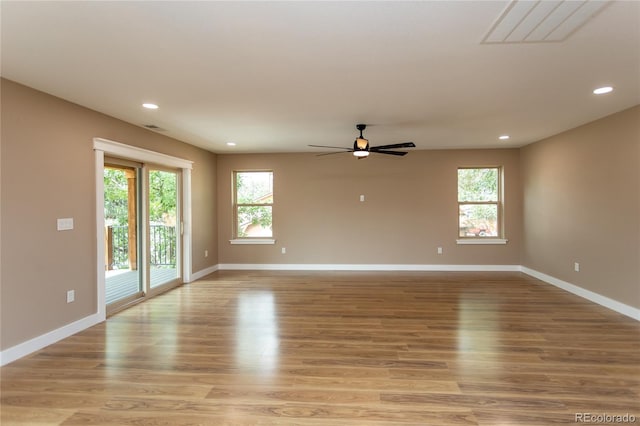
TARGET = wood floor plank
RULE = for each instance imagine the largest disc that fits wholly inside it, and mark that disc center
(34, 416)
(102, 387)
(348, 348)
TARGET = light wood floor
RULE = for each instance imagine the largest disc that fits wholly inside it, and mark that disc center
(323, 348)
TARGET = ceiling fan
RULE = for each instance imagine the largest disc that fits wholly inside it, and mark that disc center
(361, 148)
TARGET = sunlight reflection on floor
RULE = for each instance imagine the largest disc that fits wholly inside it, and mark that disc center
(257, 333)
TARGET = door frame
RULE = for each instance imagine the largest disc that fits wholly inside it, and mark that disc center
(104, 147)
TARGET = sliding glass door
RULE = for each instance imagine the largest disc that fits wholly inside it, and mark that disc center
(164, 227)
(142, 231)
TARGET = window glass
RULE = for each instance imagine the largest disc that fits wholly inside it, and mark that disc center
(478, 184)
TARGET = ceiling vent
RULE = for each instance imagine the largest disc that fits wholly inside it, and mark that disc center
(154, 127)
(526, 21)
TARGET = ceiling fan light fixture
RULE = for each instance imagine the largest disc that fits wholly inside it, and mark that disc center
(361, 143)
(361, 147)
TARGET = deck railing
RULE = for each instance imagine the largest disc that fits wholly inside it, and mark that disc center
(162, 241)
(117, 241)
(162, 244)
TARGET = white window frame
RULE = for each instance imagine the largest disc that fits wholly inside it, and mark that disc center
(500, 210)
(249, 240)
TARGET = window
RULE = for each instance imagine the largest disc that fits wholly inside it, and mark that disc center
(480, 203)
(253, 204)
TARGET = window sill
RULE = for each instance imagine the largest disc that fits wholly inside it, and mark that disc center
(253, 241)
(464, 241)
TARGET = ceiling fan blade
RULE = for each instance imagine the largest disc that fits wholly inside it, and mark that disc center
(332, 147)
(331, 153)
(384, 151)
(395, 145)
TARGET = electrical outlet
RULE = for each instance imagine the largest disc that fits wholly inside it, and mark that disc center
(71, 296)
(439, 250)
(206, 253)
(65, 224)
(284, 250)
(576, 267)
(362, 198)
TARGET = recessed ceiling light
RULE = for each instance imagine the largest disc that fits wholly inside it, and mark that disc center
(504, 137)
(150, 106)
(603, 90)
(231, 143)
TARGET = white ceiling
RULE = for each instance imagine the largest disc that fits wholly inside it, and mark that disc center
(277, 76)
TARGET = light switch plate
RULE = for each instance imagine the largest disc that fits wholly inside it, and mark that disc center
(65, 224)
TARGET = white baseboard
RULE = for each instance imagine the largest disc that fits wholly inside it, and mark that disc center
(614, 305)
(360, 267)
(23, 349)
(202, 273)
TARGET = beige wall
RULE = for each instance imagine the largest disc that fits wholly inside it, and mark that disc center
(410, 209)
(47, 168)
(575, 197)
(582, 204)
